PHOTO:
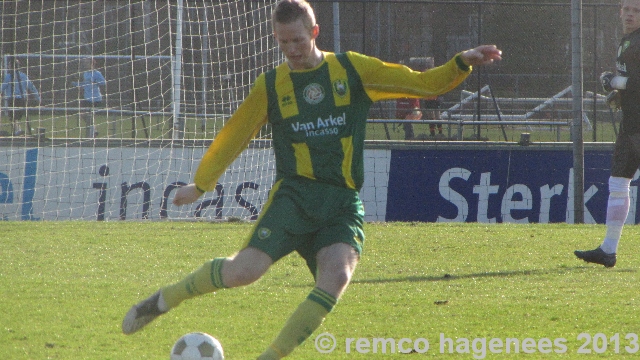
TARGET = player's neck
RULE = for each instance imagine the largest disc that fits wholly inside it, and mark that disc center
(318, 57)
(314, 60)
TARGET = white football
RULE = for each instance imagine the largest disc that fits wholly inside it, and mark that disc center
(197, 346)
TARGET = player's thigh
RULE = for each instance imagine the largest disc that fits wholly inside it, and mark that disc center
(626, 156)
(272, 232)
(338, 248)
(343, 225)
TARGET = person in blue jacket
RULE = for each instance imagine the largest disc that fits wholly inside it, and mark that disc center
(92, 81)
(16, 88)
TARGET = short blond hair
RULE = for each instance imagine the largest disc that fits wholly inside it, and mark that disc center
(288, 11)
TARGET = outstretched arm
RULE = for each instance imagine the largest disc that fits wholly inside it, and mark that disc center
(482, 55)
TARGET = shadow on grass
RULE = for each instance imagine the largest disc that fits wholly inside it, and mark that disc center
(561, 270)
(496, 274)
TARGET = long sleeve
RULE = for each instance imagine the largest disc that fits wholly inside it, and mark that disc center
(31, 88)
(234, 137)
(633, 69)
(384, 81)
(99, 79)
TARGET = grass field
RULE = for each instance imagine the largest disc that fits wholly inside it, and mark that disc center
(158, 127)
(65, 287)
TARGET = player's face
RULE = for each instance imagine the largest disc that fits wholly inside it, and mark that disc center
(630, 15)
(297, 43)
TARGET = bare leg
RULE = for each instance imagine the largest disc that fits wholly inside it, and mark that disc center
(336, 264)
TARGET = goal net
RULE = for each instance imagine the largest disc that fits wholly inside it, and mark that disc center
(126, 97)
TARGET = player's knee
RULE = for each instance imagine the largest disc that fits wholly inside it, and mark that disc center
(342, 277)
(334, 280)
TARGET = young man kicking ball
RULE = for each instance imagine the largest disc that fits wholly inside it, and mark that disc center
(313, 207)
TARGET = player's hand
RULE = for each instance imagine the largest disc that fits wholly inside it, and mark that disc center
(613, 100)
(186, 195)
(482, 55)
(605, 80)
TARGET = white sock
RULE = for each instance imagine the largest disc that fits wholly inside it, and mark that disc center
(617, 211)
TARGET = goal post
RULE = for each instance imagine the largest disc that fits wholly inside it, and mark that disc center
(174, 71)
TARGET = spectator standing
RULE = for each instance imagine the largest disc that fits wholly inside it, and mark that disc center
(16, 88)
(92, 81)
(412, 108)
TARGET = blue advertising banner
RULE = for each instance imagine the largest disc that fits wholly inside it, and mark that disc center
(494, 186)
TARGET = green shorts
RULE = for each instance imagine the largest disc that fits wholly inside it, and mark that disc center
(305, 216)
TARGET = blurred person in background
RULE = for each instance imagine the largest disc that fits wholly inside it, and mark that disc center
(16, 89)
(92, 81)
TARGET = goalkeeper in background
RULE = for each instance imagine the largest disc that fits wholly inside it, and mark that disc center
(317, 104)
(624, 91)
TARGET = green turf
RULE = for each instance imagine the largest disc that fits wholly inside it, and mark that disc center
(158, 127)
(65, 286)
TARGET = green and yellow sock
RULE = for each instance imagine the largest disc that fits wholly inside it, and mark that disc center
(208, 278)
(302, 323)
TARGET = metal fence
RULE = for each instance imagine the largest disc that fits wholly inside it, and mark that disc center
(227, 44)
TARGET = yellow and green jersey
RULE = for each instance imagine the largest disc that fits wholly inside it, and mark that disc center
(318, 116)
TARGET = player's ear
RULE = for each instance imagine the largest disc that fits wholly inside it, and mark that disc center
(315, 31)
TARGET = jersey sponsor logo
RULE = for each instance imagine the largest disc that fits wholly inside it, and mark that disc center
(313, 93)
(264, 233)
(320, 127)
(340, 87)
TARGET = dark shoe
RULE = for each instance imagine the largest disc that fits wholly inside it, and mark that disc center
(141, 314)
(597, 256)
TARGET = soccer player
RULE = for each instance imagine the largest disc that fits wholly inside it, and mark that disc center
(626, 154)
(92, 80)
(317, 104)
